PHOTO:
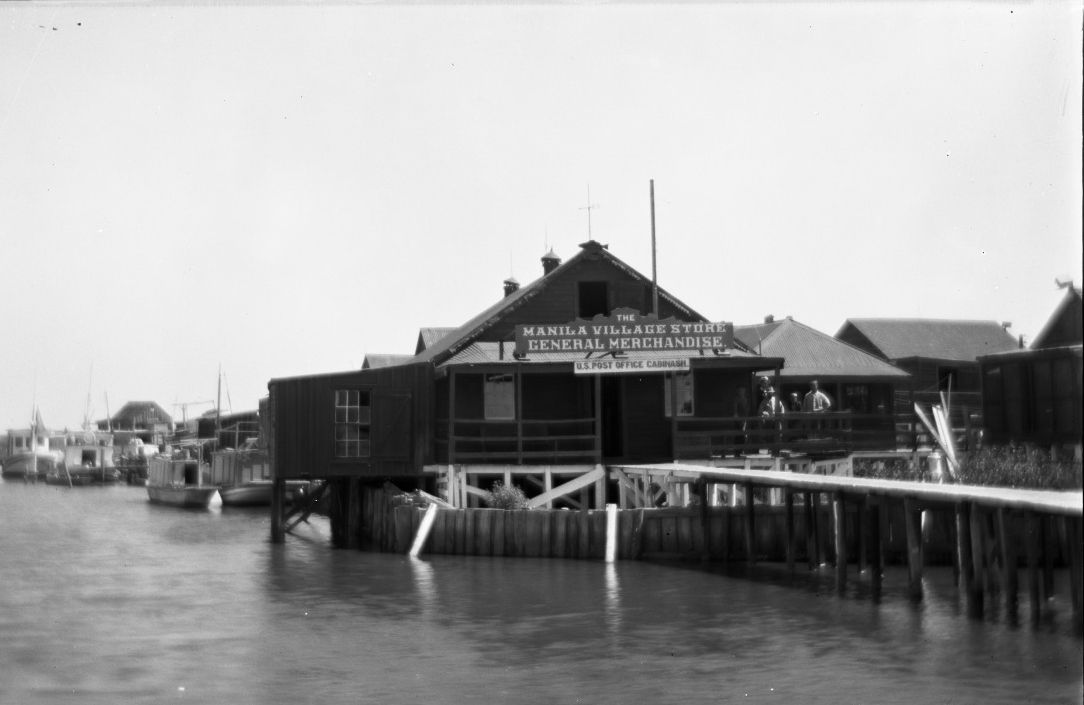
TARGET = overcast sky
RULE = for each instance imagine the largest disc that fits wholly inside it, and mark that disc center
(279, 189)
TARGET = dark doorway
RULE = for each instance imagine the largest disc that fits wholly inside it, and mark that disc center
(613, 445)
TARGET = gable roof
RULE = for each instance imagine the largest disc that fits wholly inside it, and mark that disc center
(900, 338)
(428, 336)
(373, 361)
(1064, 325)
(809, 353)
(473, 329)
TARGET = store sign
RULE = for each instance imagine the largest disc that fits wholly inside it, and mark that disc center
(609, 365)
(626, 331)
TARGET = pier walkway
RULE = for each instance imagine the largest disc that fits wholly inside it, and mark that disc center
(992, 525)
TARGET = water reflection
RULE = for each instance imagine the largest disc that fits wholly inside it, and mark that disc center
(138, 602)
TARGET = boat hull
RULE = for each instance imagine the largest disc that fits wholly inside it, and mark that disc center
(82, 477)
(24, 466)
(256, 493)
(192, 497)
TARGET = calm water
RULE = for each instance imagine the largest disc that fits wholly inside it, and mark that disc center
(105, 598)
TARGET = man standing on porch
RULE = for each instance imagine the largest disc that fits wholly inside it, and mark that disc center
(815, 399)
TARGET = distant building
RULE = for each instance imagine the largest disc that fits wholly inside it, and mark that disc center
(855, 381)
(938, 354)
(1035, 395)
(143, 420)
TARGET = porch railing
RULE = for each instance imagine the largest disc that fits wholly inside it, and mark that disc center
(799, 432)
(518, 442)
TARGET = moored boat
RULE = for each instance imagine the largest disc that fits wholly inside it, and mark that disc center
(27, 455)
(86, 459)
(178, 482)
(243, 477)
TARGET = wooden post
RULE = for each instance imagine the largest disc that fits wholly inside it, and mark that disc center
(964, 564)
(750, 526)
(912, 519)
(839, 514)
(353, 513)
(810, 532)
(278, 494)
(1045, 529)
(1073, 546)
(788, 501)
(863, 535)
(876, 567)
(705, 519)
(1008, 561)
(1031, 537)
(978, 560)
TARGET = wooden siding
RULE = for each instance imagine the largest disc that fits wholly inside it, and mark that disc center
(400, 427)
(559, 304)
(1034, 397)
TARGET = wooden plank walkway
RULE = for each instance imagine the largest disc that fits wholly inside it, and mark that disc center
(1068, 503)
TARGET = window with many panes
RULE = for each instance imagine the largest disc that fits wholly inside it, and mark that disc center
(352, 415)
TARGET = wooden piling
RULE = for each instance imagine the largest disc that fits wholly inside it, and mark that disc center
(979, 580)
(812, 556)
(1032, 534)
(788, 501)
(1008, 561)
(278, 495)
(964, 564)
(750, 526)
(863, 534)
(839, 515)
(912, 522)
(353, 514)
(1074, 546)
(876, 568)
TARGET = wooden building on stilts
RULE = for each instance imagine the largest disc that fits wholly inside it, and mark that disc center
(544, 388)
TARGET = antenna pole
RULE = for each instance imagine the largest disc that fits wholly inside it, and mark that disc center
(654, 273)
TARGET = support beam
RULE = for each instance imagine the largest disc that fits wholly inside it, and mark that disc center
(788, 502)
(839, 514)
(750, 526)
(582, 482)
(1035, 590)
(278, 493)
(965, 568)
(876, 568)
(913, 520)
(1008, 561)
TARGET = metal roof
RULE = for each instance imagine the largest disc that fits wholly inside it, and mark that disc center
(469, 332)
(811, 353)
(428, 336)
(377, 360)
(900, 338)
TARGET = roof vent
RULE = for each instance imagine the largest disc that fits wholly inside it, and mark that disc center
(550, 262)
(769, 318)
(510, 286)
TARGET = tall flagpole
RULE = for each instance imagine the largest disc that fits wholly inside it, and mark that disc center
(654, 273)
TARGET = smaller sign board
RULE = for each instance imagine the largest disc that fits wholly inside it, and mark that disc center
(611, 365)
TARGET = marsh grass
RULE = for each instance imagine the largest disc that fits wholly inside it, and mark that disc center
(999, 466)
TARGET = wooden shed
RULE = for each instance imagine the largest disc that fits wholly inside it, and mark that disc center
(1035, 395)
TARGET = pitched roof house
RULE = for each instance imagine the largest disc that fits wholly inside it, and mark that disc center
(939, 354)
(572, 368)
